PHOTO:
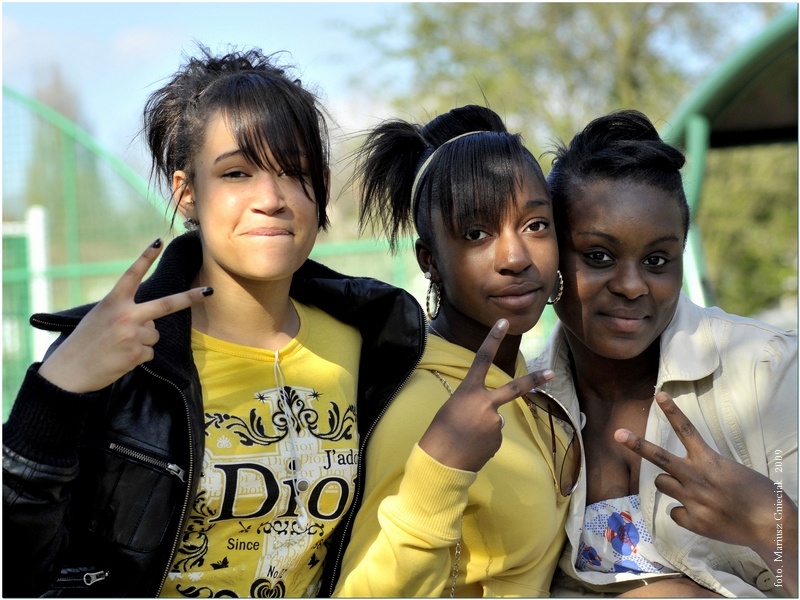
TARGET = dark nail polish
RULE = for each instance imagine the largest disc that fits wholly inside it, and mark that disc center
(208, 291)
(156, 244)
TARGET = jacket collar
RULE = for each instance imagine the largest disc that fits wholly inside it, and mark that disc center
(387, 317)
(688, 350)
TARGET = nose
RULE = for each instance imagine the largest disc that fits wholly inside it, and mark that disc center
(511, 253)
(627, 281)
(270, 197)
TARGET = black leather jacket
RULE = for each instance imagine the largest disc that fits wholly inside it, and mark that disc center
(96, 487)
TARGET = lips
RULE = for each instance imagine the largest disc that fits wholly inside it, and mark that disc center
(626, 321)
(268, 232)
(517, 296)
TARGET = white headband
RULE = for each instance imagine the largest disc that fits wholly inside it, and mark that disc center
(424, 167)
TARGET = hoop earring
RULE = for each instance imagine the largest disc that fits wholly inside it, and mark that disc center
(560, 289)
(435, 291)
(191, 225)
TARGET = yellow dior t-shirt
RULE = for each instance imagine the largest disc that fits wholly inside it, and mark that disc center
(281, 454)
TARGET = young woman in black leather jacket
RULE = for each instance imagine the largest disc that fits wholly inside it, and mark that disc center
(150, 453)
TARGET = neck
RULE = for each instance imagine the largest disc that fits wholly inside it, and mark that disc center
(467, 333)
(258, 315)
(613, 380)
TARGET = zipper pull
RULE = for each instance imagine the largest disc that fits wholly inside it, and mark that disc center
(90, 578)
(177, 471)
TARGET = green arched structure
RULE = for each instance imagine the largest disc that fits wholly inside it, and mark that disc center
(751, 99)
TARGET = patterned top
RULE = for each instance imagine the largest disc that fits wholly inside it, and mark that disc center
(616, 540)
(280, 461)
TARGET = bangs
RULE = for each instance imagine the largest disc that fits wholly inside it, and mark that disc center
(474, 178)
(262, 121)
(265, 120)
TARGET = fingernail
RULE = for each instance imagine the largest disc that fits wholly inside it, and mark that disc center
(208, 291)
(156, 244)
(547, 374)
(502, 324)
(621, 435)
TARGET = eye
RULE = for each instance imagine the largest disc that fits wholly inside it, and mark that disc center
(235, 174)
(598, 257)
(537, 225)
(476, 235)
(296, 175)
(655, 261)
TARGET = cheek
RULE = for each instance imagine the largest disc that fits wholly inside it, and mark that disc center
(580, 290)
(580, 284)
(667, 296)
(545, 257)
(307, 210)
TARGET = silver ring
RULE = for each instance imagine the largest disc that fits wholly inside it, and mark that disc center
(502, 420)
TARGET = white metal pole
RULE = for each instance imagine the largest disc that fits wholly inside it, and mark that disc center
(36, 229)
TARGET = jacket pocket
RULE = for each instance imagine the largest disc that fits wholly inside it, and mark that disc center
(136, 499)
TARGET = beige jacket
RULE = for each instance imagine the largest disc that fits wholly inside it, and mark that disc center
(736, 379)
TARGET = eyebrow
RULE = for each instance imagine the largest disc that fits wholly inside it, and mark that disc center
(224, 155)
(535, 202)
(611, 238)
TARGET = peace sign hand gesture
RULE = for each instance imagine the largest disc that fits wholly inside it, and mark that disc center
(721, 499)
(465, 432)
(117, 334)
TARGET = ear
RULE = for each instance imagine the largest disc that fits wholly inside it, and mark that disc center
(426, 260)
(183, 195)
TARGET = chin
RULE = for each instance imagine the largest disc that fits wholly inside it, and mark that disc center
(621, 351)
(520, 327)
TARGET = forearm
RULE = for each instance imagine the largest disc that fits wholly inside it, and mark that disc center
(680, 587)
(404, 548)
(39, 463)
(45, 421)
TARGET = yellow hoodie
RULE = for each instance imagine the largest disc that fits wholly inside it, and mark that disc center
(509, 515)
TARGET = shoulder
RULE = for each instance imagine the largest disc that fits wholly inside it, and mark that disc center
(701, 339)
(747, 337)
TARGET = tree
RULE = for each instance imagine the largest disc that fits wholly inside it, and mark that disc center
(549, 68)
(88, 204)
(748, 219)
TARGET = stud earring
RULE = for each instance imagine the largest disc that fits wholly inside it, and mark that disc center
(560, 289)
(191, 225)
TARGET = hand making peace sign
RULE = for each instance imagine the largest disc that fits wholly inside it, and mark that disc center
(466, 431)
(117, 335)
(721, 499)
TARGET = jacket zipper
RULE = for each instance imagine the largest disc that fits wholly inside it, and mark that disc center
(171, 468)
(86, 579)
(362, 461)
(60, 328)
(186, 498)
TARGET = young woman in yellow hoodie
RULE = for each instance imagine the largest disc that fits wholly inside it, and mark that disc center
(467, 475)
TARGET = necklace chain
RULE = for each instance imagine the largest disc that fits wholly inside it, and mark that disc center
(457, 556)
(435, 332)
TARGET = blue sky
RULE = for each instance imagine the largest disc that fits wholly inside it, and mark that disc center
(114, 54)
